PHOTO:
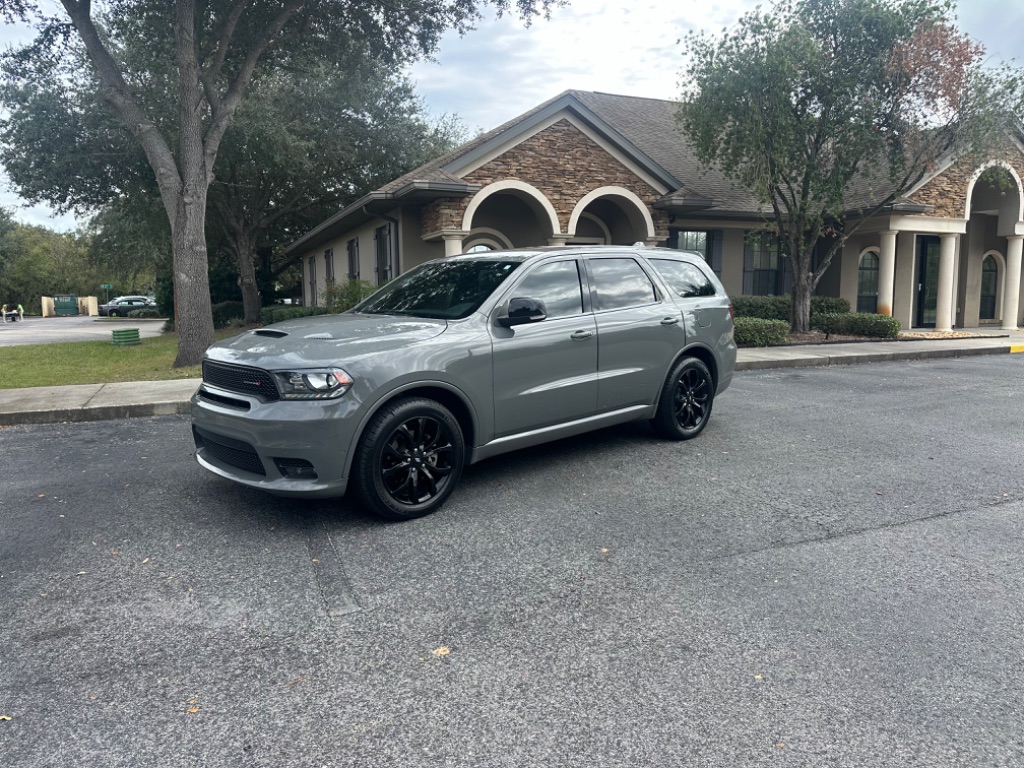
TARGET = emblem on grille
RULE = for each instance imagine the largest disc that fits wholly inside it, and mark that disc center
(253, 383)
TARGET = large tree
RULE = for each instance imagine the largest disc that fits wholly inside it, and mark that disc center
(216, 49)
(832, 110)
(308, 142)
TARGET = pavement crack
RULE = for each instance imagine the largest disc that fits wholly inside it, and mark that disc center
(335, 589)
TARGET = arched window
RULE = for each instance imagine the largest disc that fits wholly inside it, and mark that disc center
(478, 248)
(867, 283)
(989, 288)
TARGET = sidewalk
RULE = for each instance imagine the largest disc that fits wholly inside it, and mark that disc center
(93, 402)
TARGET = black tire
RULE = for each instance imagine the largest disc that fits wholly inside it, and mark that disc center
(686, 399)
(113, 313)
(409, 459)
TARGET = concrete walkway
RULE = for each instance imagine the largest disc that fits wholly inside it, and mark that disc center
(92, 402)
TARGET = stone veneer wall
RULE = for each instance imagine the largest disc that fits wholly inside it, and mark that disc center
(560, 161)
(947, 192)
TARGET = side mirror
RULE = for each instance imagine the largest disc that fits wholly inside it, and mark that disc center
(522, 311)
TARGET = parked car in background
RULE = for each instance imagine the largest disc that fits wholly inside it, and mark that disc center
(122, 305)
(462, 359)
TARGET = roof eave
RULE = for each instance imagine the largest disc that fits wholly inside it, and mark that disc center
(375, 203)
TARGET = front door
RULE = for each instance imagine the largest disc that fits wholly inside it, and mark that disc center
(545, 373)
(927, 280)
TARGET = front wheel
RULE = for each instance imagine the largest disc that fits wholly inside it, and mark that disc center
(686, 399)
(409, 459)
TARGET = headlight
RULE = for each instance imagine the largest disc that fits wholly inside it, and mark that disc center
(320, 384)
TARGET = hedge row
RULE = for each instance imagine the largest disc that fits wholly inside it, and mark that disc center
(143, 313)
(226, 311)
(757, 332)
(858, 324)
(780, 307)
(276, 314)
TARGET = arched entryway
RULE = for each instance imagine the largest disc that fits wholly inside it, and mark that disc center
(512, 213)
(990, 288)
(612, 215)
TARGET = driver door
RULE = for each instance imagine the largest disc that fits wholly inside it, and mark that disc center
(545, 372)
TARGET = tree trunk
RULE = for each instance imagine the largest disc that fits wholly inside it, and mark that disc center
(803, 287)
(193, 315)
(251, 303)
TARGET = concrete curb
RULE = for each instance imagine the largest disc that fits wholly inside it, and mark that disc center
(96, 413)
(870, 357)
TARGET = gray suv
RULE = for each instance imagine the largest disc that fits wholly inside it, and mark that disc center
(462, 359)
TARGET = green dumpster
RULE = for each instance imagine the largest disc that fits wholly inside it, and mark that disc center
(65, 306)
(125, 336)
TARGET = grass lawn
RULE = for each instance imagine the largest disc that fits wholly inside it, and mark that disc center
(94, 362)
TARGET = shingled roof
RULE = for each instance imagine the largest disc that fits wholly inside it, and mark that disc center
(646, 130)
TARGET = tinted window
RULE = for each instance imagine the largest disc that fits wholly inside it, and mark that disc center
(557, 285)
(685, 279)
(441, 289)
(620, 283)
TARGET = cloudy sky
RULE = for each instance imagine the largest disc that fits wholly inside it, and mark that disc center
(630, 47)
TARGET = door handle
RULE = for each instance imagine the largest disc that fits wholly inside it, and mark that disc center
(581, 335)
(670, 321)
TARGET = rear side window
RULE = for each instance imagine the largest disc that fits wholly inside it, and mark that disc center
(684, 279)
(620, 283)
(557, 285)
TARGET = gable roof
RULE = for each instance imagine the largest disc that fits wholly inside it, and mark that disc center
(644, 130)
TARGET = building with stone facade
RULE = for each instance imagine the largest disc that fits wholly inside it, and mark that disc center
(587, 167)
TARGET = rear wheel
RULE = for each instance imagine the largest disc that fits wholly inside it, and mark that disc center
(686, 399)
(409, 459)
(114, 313)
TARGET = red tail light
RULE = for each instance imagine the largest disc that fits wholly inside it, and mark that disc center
(731, 315)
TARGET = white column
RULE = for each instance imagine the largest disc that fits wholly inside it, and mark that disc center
(886, 272)
(944, 291)
(558, 239)
(452, 244)
(1011, 282)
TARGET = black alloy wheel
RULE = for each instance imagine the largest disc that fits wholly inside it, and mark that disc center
(409, 459)
(686, 399)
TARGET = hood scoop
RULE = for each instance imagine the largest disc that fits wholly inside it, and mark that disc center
(321, 336)
(271, 333)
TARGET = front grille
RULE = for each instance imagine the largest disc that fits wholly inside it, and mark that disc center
(239, 378)
(232, 452)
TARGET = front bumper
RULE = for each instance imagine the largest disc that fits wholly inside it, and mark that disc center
(261, 444)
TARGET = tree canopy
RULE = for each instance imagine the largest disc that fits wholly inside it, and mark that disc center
(201, 58)
(832, 110)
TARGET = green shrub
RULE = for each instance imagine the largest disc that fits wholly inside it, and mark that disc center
(278, 313)
(780, 307)
(858, 324)
(757, 332)
(226, 311)
(342, 296)
(762, 307)
(143, 313)
(875, 326)
(828, 305)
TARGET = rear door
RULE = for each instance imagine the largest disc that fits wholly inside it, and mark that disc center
(705, 309)
(639, 331)
(545, 372)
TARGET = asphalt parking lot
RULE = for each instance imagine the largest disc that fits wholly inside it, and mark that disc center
(49, 330)
(830, 575)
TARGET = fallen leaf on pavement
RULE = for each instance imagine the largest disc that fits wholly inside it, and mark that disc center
(5, 718)
(192, 710)
(442, 650)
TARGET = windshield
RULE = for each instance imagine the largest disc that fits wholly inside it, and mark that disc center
(442, 289)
